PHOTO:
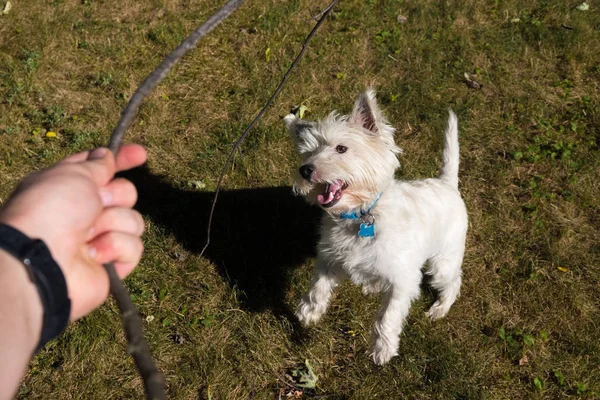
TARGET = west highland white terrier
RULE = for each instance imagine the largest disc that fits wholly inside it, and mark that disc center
(376, 230)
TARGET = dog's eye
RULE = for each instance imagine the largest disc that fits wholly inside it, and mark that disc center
(341, 149)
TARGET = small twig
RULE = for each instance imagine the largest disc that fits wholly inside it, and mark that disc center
(243, 136)
(132, 323)
(320, 15)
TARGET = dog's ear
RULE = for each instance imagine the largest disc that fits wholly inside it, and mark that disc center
(366, 113)
(296, 125)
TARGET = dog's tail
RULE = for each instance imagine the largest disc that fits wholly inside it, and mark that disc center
(449, 171)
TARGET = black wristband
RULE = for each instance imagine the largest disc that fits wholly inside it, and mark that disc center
(46, 275)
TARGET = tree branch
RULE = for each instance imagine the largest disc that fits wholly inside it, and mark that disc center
(161, 71)
(132, 323)
(322, 16)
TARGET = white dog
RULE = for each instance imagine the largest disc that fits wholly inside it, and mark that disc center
(376, 230)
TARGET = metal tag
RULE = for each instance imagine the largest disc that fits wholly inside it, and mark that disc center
(366, 230)
(367, 226)
(368, 219)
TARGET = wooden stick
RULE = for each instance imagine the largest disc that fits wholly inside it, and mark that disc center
(132, 323)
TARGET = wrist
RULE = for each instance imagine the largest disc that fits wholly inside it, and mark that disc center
(44, 275)
(25, 224)
(21, 303)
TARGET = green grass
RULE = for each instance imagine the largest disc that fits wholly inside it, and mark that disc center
(526, 325)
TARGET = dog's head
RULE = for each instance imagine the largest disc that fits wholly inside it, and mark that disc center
(345, 160)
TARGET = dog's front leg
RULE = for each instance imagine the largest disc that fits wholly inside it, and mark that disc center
(387, 329)
(314, 303)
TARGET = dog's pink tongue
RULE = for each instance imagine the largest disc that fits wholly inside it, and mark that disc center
(330, 191)
(322, 200)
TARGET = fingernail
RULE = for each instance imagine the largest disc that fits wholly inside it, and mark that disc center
(106, 197)
(97, 153)
(92, 252)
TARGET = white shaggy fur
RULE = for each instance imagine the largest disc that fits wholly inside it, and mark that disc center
(416, 222)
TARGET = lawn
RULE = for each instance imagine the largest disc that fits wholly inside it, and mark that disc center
(221, 326)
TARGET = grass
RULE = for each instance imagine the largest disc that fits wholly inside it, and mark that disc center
(526, 325)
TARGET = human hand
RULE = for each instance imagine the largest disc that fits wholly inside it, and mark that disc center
(85, 218)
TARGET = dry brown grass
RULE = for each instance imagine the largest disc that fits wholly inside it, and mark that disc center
(529, 173)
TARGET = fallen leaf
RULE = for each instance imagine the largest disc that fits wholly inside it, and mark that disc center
(401, 19)
(301, 110)
(305, 378)
(472, 83)
(294, 393)
(150, 318)
(524, 360)
(7, 8)
(268, 54)
(515, 20)
(562, 269)
(51, 134)
(583, 6)
(196, 184)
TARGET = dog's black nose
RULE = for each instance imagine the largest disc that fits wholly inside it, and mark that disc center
(306, 171)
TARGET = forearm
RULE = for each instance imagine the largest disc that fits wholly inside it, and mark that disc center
(84, 209)
(20, 320)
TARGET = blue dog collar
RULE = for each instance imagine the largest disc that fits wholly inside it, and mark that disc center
(361, 212)
(367, 226)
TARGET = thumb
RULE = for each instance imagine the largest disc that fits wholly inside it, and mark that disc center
(100, 165)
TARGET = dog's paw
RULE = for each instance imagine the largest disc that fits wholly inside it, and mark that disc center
(437, 311)
(382, 352)
(309, 313)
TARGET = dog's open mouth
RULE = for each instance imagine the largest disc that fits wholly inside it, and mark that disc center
(332, 193)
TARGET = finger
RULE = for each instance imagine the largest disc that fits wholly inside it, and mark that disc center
(88, 288)
(118, 193)
(75, 158)
(118, 219)
(131, 156)
(100, 165)
(122, 249)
